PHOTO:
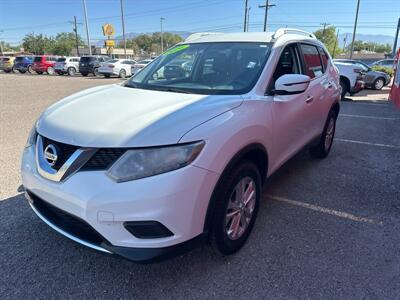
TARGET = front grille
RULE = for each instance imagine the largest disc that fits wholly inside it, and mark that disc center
(64, 151)
(103, 159)
(66, 221)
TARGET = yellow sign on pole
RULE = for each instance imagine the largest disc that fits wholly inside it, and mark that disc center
(108, 30)
(110, 43)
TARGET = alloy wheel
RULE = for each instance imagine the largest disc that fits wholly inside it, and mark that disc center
(330, 131)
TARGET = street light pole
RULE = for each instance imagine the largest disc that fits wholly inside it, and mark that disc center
(354, 31)
(245, 15)
(123, 27)
(267, 6)
(162, 35)
(87, 27)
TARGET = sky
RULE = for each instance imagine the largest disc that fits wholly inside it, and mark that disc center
(20, 17)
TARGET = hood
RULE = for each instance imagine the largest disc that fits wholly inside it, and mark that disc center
(118, 116)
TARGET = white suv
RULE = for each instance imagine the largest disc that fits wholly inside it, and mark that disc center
(67, 65)
(178, 154)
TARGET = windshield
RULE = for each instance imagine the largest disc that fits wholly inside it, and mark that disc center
(205, 68)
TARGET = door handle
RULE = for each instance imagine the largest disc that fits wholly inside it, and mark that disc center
(309, 99)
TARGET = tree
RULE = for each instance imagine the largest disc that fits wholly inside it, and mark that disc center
(328, 37)
(65, 42)
(371, 46)
(152, 43)
(37, 44)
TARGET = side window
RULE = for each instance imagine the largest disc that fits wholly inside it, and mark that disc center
(324, 58)
(288, 62)
(312, 61)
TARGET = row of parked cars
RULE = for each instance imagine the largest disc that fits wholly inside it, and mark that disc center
(356, 75)
(93, 64)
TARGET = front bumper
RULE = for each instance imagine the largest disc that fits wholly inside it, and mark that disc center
(178, 200)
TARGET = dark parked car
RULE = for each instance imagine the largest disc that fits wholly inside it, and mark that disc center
(91, 64)
(23, 64)
(373, 79)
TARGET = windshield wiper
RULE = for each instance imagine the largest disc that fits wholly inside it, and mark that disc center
(174, 90)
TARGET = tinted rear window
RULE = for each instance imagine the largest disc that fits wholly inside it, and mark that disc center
(87, 58)
(38, 59)
(61, 59)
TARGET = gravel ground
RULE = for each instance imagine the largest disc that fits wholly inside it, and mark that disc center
(326, 229)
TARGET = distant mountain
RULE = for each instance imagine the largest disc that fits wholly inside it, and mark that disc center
(375, 38)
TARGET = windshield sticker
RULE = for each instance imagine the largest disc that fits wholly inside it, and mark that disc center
(176, 49)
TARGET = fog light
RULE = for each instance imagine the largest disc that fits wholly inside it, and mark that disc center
(147, 229)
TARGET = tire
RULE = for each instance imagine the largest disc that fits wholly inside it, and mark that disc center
(50, 71)
(96, 72)
(71, 71)
(22, 71)
(225, 237)
(122, 73)
(378, 84)
(30, 69)
(325, 142)
(344, 88)
(84, 74)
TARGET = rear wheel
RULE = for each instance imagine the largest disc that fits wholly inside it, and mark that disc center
(71, 71)
(96, 72)
(322, 149)
(50, 70)
(378, 83)
(122, 73)
(344, 88)
(237, 200)
(30, 69)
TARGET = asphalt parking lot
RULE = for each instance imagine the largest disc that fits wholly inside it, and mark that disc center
(326, 228)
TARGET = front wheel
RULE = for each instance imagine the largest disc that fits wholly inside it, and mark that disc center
(96, 72)
(322, 149)
(122, 73)
(378, 84)
(30, 69)
(237, 200)
(50, 70)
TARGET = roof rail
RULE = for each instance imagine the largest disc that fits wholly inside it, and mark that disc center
(282, 31)
(197, 35)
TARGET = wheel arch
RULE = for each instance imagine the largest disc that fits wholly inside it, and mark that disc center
(255, 153)
(346, 81)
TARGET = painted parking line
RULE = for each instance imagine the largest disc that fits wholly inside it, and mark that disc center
(325, 210)
(368, 117)
(367, 143)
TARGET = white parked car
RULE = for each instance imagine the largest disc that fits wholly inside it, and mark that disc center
(351, 78)
(174, 157)
(117, 67)
(140, 65)
(67, 65)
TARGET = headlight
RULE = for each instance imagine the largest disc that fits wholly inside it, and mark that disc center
(31, 137)
(140, 163)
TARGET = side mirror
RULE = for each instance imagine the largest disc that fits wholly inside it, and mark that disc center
(291, 84)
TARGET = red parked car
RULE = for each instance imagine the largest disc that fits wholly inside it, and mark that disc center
(44, 63)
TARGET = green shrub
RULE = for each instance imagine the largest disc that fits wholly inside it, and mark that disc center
(387, 70)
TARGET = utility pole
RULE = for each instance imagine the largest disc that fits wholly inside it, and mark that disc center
(162, 34)
(76, 36)
(354, 31)
(246, 2)
(396, 37)
(87, 27)
(267, 6)
(123, 27)
(336, 41)
(1, 44)
(323, 30)
(248, 18)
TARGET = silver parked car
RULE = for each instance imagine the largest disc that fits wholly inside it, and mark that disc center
(387, 63)
(373, 79)
(67, 65)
